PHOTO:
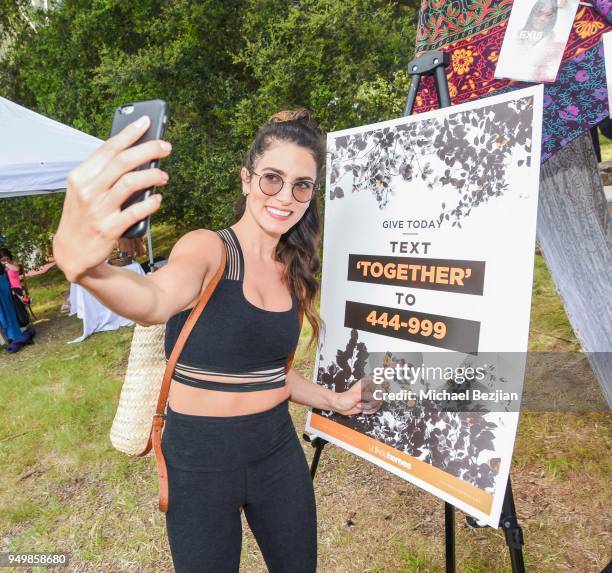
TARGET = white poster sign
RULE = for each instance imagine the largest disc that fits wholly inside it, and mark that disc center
(428, 253)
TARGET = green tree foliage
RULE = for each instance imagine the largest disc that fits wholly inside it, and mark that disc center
(224, 66)
(339, 59)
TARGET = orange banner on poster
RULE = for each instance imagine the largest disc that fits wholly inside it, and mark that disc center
(477, 498)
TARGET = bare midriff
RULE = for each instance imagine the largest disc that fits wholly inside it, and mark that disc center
(203, 402)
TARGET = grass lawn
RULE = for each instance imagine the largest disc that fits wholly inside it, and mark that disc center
(64, 488)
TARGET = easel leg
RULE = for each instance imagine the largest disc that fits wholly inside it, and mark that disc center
(449, 530)
(512, 531)
(318, 444)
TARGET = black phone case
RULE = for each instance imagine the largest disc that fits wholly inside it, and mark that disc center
(157, 110)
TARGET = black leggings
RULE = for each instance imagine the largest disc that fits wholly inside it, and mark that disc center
(215, 465)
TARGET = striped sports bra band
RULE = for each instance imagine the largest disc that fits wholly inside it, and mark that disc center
(228, 386)
(259, 380)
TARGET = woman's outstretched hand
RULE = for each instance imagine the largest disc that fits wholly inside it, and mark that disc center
(92, 220)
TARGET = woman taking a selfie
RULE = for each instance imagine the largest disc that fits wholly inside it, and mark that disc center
(228, 439)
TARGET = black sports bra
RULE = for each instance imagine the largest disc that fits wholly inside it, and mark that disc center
(233, 337)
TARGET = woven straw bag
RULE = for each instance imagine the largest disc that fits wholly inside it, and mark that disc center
(146, 364)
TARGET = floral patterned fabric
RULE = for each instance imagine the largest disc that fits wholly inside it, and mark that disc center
(604, 7)
(472, 32)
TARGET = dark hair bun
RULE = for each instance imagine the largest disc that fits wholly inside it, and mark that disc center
(299, 115)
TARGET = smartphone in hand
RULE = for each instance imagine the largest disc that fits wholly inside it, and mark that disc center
(157, 110)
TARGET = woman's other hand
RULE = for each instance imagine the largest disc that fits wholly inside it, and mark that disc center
(358, 399)
(92, 220)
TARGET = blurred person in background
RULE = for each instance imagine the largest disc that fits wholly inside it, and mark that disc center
(8, 316)
(14, 270)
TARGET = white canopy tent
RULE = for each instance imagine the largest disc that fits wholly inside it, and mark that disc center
(37, 153)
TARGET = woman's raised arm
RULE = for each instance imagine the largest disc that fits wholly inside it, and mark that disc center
(158, 296)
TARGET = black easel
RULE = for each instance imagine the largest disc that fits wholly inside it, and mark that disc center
(434, 64)
(596, 146)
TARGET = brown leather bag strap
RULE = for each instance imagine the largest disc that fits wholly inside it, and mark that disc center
(160, 461)
(159, 416)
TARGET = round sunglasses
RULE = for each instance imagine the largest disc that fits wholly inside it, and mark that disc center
(272, 183)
